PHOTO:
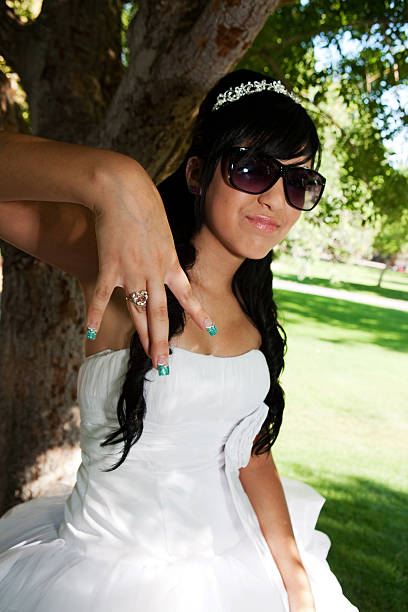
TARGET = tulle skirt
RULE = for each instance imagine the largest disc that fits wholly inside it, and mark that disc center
(41, 572)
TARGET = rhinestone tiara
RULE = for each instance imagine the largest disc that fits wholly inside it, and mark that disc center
(244, 89)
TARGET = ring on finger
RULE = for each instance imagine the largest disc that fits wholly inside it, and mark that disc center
(138, 298)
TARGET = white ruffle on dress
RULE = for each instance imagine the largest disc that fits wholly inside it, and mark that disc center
(171, 529)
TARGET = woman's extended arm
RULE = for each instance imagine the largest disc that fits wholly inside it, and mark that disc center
(261, 482)
(135, 244)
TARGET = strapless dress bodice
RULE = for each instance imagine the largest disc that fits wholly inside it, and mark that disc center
(189, 413)
(198, 430)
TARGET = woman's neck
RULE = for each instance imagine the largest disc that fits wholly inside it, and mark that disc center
(214, 267)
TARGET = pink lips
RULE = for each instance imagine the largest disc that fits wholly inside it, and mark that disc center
(266, 224)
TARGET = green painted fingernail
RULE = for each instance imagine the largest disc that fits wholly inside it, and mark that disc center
(163, 369)
(91, 333)
(212, 330)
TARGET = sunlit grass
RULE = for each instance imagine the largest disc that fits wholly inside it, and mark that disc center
(345, 432)
(362, 279)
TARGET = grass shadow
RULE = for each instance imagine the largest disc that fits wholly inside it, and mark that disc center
(356, 287)
(366, 523)
(386, 327)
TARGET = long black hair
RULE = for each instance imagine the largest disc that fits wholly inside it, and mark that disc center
(269, 121)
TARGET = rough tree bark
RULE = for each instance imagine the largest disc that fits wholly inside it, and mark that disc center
(69, 63)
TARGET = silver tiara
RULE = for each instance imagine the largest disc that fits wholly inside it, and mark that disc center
(235, 93)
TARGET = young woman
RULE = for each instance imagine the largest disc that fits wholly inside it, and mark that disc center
(178, 505)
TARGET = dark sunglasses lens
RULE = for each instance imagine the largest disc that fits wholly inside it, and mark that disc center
(252, 174)
(304, 187)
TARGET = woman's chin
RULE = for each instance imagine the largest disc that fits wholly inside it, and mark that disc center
(257, 253)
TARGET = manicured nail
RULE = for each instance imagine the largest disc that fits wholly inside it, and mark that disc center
(91, 333)
(162, 366)
(210, 327)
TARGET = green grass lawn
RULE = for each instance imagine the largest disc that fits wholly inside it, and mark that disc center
(345, 432)
(362, 279)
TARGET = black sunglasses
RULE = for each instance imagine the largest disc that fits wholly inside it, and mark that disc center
(256, 173)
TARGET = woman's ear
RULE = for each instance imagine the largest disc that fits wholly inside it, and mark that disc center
(193, 174)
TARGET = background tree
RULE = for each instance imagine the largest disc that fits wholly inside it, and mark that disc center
(365, 45)
(391, 240)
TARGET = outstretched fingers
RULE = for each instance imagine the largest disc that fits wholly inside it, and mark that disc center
(158, 322)
(103, 290)
(151, 320)
(138, 314)
(179, 284)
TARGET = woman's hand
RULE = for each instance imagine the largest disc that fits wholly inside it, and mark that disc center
(136, 252)
(135, 244)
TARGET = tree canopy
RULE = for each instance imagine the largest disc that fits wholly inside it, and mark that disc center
(366, 52)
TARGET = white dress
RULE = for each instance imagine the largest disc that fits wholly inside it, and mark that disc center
(172, 529)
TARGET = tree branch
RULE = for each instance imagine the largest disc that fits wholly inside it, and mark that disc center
(307, 35)
(173, 63)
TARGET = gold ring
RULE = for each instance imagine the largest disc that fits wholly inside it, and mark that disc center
(139, 298)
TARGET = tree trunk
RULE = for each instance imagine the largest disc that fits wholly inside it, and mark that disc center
(390, 261)
(70, 68)
(38, 369)
(174, 61)
(69, 62)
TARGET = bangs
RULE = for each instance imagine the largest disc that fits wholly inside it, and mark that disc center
(267, 122)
